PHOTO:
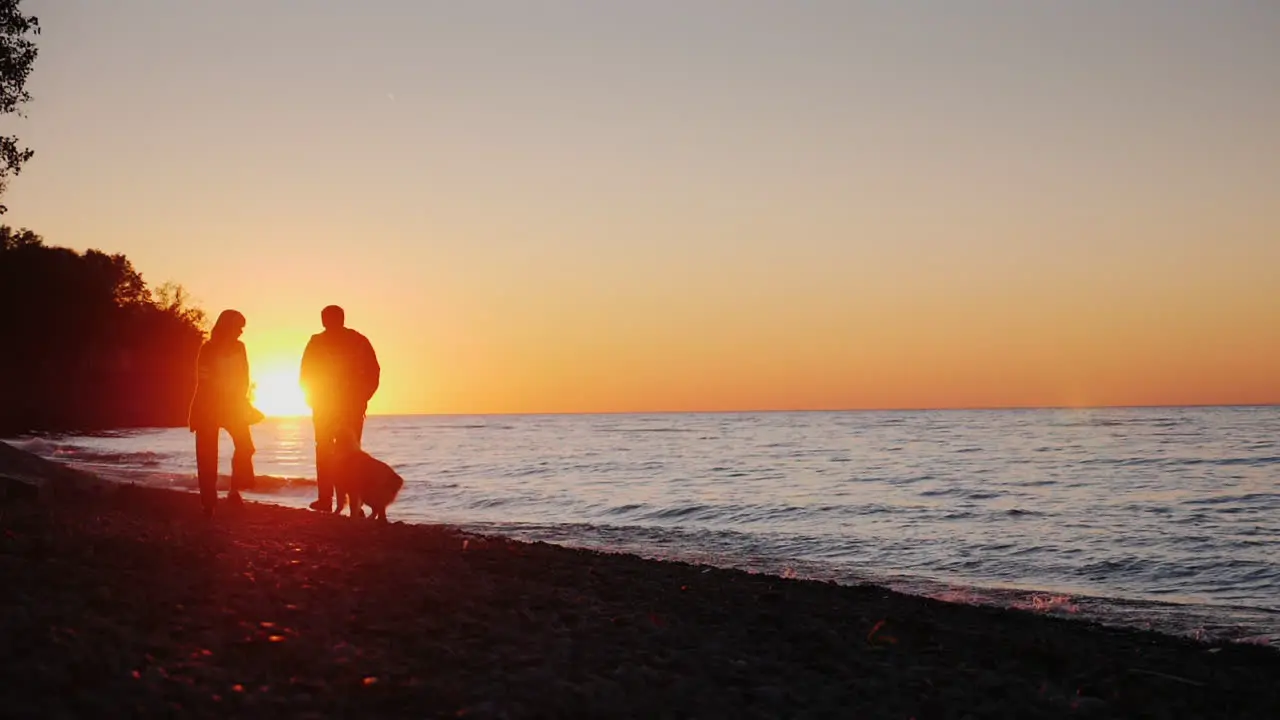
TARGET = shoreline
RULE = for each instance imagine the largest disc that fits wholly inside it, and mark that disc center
(122, 599)
(1199, 619)
(16, 433)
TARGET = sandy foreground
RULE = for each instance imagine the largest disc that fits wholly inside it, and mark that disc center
(125, 602)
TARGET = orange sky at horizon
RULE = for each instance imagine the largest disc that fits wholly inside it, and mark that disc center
(665, 206)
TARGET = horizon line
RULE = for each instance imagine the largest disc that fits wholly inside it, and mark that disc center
(975, 408)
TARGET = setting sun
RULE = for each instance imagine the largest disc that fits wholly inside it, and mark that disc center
(799, 210)
(278, 394)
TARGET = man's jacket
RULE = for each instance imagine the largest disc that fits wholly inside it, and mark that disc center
(340, 371)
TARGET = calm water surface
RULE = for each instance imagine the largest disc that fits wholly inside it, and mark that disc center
(1164, 517)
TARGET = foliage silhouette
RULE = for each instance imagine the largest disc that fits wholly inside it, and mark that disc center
(17, 56)
(85, 344)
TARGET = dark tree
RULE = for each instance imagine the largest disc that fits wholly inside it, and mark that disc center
(17, 55)
(85, 344)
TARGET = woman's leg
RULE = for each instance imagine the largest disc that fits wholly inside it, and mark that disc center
(207, 466)
(242, 475)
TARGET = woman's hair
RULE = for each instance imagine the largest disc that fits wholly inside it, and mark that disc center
(228, 321)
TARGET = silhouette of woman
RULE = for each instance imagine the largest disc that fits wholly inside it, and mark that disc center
(222, 401)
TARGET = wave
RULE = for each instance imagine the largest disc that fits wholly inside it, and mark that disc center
(81, 455)
(263, 484)
(962, 493)
(733, 514)
(1259, 498)
(1239, 623)
(647, 430)
(85, 456)
(1173, 462)
(1162, 422)
(683, 512)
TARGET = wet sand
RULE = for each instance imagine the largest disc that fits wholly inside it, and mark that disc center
(126, 602)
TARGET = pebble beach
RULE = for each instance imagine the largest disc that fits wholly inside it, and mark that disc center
(124, 601)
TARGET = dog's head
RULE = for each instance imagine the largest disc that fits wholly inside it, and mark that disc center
(346, 443)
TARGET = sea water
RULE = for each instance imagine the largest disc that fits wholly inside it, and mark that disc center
(1164, 517)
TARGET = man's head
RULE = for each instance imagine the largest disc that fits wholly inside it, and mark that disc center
(333, 318)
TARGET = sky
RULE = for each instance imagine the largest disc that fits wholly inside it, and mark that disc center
(598, 206)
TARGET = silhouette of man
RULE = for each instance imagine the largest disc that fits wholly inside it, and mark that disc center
(339, 375)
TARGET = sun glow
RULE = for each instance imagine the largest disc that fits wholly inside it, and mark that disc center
(277, 393)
